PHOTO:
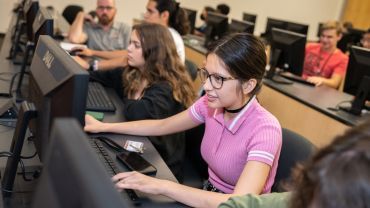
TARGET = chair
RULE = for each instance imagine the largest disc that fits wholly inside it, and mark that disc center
(192, 69)
(195, 168)
(70, 12)
(295, 149)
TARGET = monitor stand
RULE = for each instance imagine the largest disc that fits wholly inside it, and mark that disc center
(271, 73)
(360, 99)
(26, 113)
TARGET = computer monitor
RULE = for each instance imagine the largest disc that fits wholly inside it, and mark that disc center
(352, 37)
(43, 24)
(237, 26)
(249, 17)
(285, 25)
(358, 73)
(297, 27)
(30, 10)
(58, 88)
(288, 50)
(319, 27)
(72, 175)
(217, 25)
(192, 15)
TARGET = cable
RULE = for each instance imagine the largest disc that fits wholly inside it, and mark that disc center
(29, 157)
(23, 169)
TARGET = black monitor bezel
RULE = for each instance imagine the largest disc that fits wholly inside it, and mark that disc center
(249, 17)
(217, 26)
(192, 16)
(296, 58)
(248, 26)
(355, 70)
(53, 76)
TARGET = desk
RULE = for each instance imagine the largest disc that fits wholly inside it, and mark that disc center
(151, 154)
(300, 108)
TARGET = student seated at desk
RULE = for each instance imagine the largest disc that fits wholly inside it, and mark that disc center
(104, 35)
(163, 12)
(336, 177)
(324, 63)
(365, 41)
(154, 85)
(242, 140)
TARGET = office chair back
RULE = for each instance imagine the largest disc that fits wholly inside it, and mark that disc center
(195, 168)
(192, 69)
(70, 12)
(295, 149)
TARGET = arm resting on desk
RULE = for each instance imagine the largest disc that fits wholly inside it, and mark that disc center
(334, 81)
(170, 125)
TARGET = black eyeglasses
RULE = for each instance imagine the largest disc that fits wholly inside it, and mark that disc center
(216, 80)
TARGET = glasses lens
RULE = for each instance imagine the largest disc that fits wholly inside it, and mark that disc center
(216, 81)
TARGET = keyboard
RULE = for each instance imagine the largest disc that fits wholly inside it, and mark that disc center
(109, 164)
(98, 99)
(296, 78)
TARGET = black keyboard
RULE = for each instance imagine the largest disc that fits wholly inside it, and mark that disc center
(296, 78)
(98, 99)
(109, 164)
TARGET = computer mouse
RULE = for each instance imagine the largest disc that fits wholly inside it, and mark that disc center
(74, 52)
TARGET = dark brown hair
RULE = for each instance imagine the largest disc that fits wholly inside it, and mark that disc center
(338, 176)
(178, 19)
(162, 63)
(243, 55)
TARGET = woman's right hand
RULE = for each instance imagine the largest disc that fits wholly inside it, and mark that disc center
(92, 125)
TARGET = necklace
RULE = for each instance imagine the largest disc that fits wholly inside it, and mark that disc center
(239, 109)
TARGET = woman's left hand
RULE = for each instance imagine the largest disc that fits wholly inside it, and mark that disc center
(138, 181)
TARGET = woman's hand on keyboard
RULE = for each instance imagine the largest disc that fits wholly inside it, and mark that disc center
(137, 181)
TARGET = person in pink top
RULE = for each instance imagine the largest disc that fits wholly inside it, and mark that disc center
(324, 63)
(241, 142)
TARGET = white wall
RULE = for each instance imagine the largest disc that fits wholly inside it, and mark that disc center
(303, 11)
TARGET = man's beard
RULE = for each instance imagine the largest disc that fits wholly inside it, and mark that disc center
(105, 20)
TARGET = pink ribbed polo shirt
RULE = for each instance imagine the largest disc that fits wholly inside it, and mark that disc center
(253, 135)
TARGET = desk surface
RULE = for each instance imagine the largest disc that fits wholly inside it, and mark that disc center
(320, 99)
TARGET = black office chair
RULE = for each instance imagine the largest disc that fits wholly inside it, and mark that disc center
(295, 149)
(195, 168)
(70, 12)
(192, 69)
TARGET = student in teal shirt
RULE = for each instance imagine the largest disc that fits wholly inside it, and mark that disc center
(338, 176)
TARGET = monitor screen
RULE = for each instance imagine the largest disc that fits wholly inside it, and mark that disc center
(57, 87)
(285, 25)
(30, 10)
(217, 25)
(192, 15)
(249, 17)
(72, 175)
(291, 47)
(358, 67)
(240, 26)
(298, 28)
(352, 37)
(43, 24)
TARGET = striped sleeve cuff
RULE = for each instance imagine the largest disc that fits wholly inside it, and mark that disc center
(262, 156)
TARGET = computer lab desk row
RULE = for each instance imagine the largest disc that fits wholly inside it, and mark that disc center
(301, 108)
(6, 135)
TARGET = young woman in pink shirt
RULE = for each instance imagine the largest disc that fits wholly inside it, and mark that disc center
(241, 142)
